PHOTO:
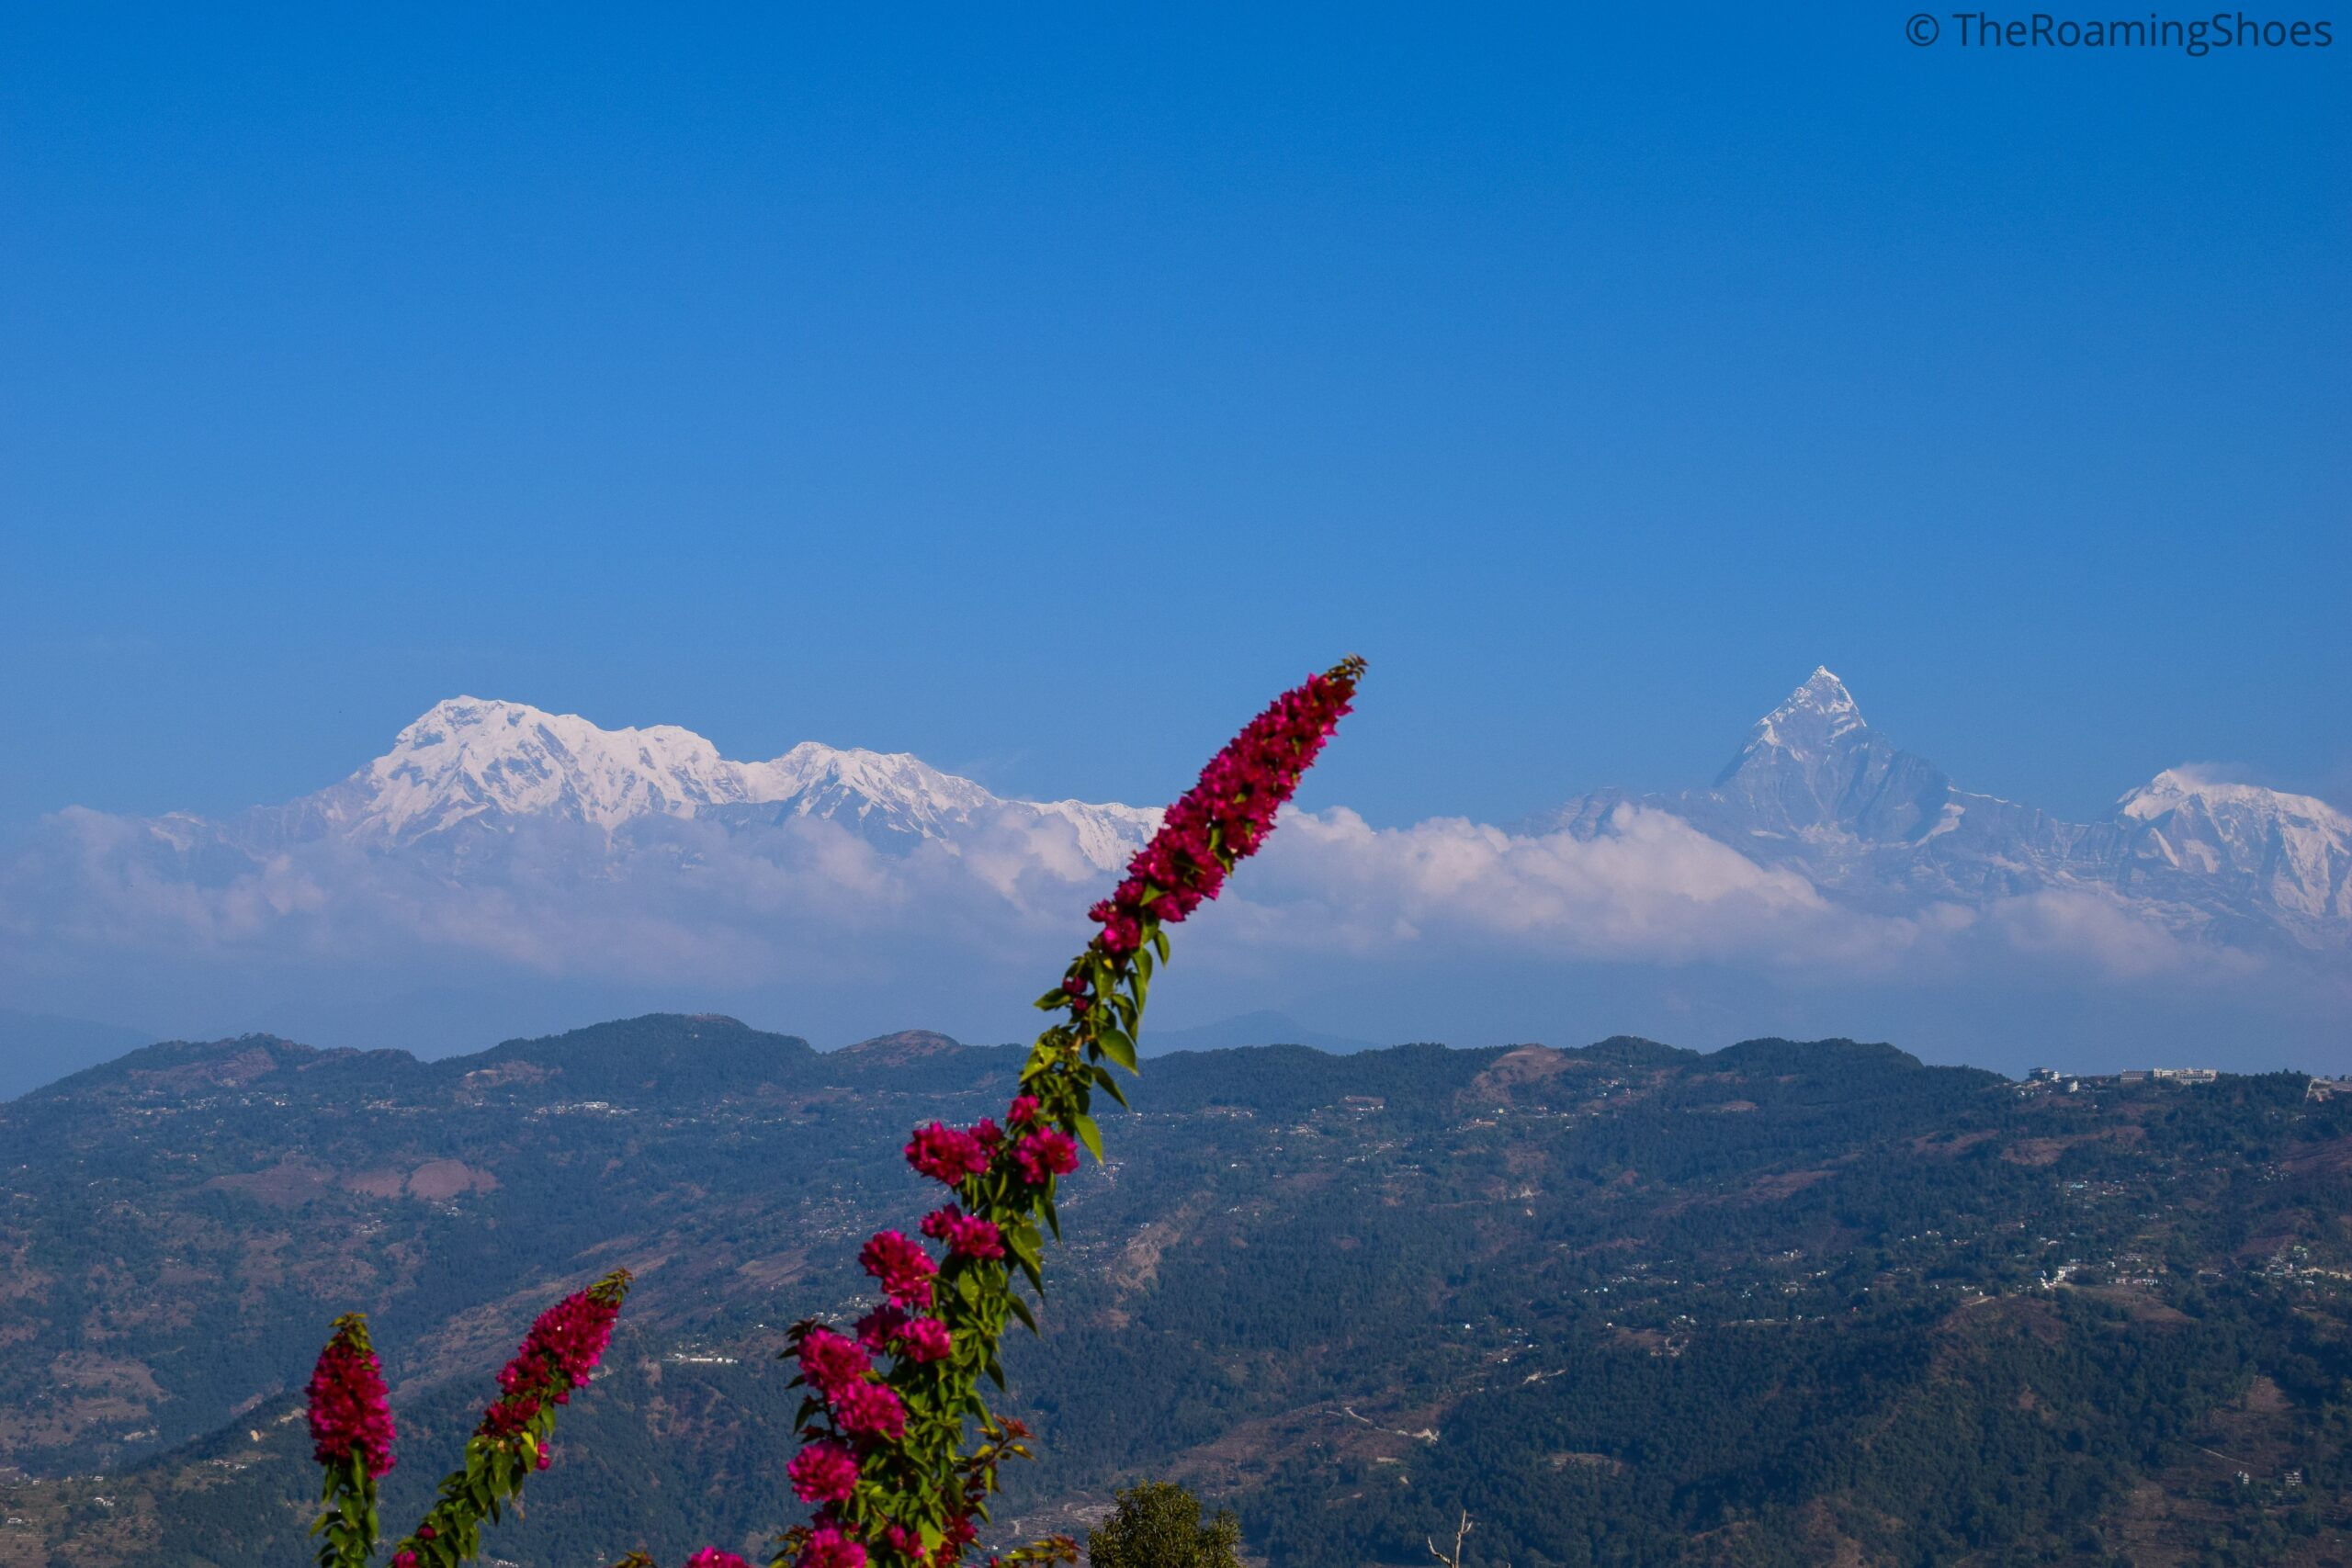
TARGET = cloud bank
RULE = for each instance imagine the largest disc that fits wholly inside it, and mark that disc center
(1347, 925)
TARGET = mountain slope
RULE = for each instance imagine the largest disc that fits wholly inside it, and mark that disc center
(1626, 1304)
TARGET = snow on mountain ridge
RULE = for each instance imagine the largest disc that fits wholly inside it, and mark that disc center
(2175, 787)
(2296, 848)
(1816, 790)
(474, 761)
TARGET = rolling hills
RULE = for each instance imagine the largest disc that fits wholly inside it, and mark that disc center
(1783, 1303)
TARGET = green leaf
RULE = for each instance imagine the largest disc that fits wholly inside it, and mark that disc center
(1119, 1048)
(1090, 1135)
(1021, 1310)
(1025, 1245)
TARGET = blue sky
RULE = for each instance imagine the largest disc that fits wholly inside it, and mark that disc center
(1035, 389)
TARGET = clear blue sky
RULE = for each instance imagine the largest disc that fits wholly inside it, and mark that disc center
(955, 379)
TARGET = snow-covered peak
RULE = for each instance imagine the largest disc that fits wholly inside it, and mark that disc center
(2176, 787)
(1802, 731)
(468, 757)
(2296, 848)
(471, 759)
(1820, 710)
(824, 782)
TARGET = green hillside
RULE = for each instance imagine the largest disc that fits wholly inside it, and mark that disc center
(1788, 1303)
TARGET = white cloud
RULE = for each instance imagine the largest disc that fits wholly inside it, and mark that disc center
(808, 905)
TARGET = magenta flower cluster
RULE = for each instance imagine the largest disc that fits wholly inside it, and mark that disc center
(830, 1548)
(350, 1411)
(558, 1355)
(563, 1347)
(904, 1270)
(968, 1236)
(1047, 1151)
(823, 1472)
(843, 1375)
(1232, 807)
(948, 1154)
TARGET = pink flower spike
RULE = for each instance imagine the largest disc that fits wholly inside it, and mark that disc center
(350, 1413)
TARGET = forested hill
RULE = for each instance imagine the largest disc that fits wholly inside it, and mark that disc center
(1785, 1302)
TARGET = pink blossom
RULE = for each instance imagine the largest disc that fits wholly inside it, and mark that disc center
(828, 1548)
(558, 1356)
(349, 1411)
(830, 1362)
(711, 1557)
(926, 1340)
(871, 1410)
(1045, 1150)
(902, 1266)
(946, 1154)
(878, 1327)
(1022, 1111)
(888, 1329)
(508, 1418)
(968, 1235)
(822, 1472)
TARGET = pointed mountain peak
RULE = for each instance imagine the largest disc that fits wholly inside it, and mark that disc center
(1815, 716)
(1822, 692)
(1805, 761)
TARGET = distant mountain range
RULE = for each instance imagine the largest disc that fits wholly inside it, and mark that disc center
(1818, 790)
(468, 769)
(500, 862)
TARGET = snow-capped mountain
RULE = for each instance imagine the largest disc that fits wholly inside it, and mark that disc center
(2293, 851)
(469, 767)
(501, 831)
(1816, 790)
